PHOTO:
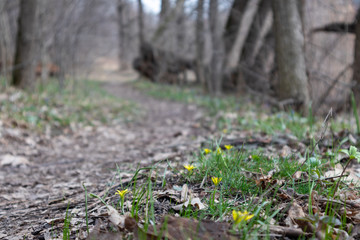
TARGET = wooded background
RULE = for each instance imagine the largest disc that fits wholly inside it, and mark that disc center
(288, 52)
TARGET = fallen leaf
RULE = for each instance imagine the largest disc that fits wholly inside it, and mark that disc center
(184, 193)
(177, 228)
(285, 151)
(196, 202)
(115, 217)
(14, 161)
(295, 212)
(169, 193)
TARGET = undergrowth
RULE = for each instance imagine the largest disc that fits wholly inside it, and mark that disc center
(246, 189)
(80, 102)
(244, 112)
(250, 190)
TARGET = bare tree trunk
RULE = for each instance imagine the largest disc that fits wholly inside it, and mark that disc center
(260, 27)
(232, 24)
(44, 41)
(292, 82)
(165, 39)
(252, 69)
(121, 8)
(356, 77)
(301, 8)
(5, 42)
(200, 42)
(216, 64)
(234, 54)
(169, 19)
(180, 28)
(141, 22)
(25, 56)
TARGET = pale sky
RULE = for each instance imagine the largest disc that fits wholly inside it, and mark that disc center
(152, 5)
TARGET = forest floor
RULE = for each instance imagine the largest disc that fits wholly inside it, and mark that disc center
(45, 175)
(37, 187)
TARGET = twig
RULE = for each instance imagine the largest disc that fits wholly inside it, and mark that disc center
(321, 179)
(330, 88)
(325, 125)
(341, 175)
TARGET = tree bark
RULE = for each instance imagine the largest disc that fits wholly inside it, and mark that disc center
(164, 41)
(169, 19)
(141, 22)
(252, 67)
(259, 29)
(5, 42)
(25, 53)
(216, 64)
(356, 75)
(289, 41)
(164, 11)
(180, 28)
(234, 53)
(121, 8)
(232, 24)
(200, 43)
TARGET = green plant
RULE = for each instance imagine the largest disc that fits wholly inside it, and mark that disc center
(352, 154)
(354, 107)
(86, 209)
(67, 220)
(122, 198)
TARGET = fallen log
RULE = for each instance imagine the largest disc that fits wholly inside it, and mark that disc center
(161, 66)
(336, 27)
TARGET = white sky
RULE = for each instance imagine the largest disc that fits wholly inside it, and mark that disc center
(152, 5)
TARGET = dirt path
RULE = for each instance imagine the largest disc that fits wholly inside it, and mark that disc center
(36, 191)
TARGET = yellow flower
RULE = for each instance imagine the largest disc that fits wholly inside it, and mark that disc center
(189, 167)
(228, 147)
(216, 180)
(122, 193)
(225, 130)
(218, 150)
(240, 217)
(207, 151)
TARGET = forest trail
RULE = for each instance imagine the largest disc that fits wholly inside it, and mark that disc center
(45, 175)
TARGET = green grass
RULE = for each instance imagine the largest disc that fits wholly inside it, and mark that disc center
(82, 103)
(245, 184)
(191, 95)
(242, 112)
(67, 225)
(240, 189)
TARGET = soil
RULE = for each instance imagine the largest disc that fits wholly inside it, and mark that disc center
(44, 177)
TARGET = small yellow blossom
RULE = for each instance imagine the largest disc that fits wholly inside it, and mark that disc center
(122, 193)
(216, 180)
(207, 151)
(241, 216)
(225, 131)
(189, 167)
(218, 150)
(228, 147)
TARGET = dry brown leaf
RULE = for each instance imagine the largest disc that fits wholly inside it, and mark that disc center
(285, 151)
(295, 211)
(164, 156)
(196, 202)
(115, 217)
(176, 228)
(300, 176)
(169, 193)
(287, 231)
(184, 193)
(352, 174)
(14, 161)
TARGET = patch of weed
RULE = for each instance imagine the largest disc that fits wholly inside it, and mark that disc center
(85, 103)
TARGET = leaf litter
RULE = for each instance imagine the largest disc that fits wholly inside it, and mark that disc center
(42, 179)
